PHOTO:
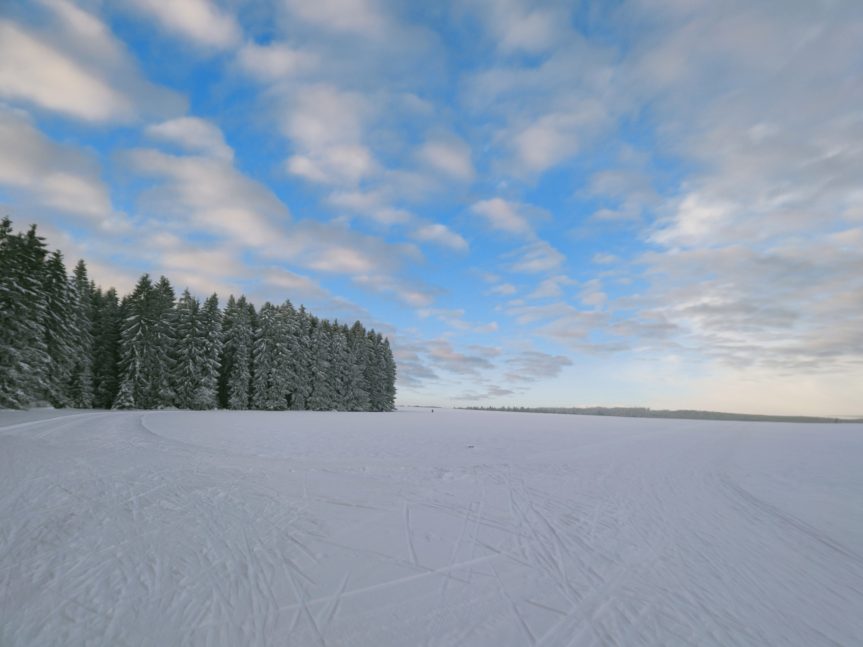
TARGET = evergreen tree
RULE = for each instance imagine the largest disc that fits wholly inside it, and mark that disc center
(357, 396)
(211, 332)
(135, 336)
(238, 337)
(303, 360)
(106, 342)
(61, 330)
(81, 381)
(163, 343)
(226, 361)
(380, 373)
(340, 368)
(146, 343)
(189, 352)
(197, 349)
(268, 388)
(389, 369)
(288, 323)
(322, 394)
(374, 372)
(24, 360)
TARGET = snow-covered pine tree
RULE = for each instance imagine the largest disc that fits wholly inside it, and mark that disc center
(389, 377)
(211, 330)
(267, 393)
(9, 297)
(163, 343)
(240, 392)
(226, 361)
(236, 363)
(24, 361)
(81, 380)
(340, 368)
(106, 343)
(288, 353)
(322, 395)
(126, 395)
(146, 341)
(374, 372)
(303, 360)
(135, 340)
(188, 352)
(197, 345)
(10, 304)
(357, 397)
(380, 373)
(61, 329)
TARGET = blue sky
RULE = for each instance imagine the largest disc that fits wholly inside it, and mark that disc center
(643, 202)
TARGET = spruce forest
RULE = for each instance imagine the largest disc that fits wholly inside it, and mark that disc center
(66, 342)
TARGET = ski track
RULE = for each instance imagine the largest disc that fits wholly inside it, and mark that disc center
(457, 528)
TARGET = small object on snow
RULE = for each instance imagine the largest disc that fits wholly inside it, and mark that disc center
(470, 446)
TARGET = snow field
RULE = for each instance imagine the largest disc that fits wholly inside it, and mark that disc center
(419, 528)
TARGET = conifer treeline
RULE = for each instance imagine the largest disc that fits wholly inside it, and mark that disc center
(68, 343)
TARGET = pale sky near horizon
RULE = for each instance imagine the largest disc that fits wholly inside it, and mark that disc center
(640, 202)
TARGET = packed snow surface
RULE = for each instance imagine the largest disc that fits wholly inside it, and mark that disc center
(421, 528)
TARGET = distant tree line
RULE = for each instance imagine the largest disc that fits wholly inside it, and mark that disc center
(644, 412)
(67, 343)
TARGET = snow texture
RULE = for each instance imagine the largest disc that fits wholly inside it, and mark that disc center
(420, 528)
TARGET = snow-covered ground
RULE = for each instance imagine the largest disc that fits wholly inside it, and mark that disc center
(420, 528)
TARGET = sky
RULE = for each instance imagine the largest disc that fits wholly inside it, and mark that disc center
(634, 202)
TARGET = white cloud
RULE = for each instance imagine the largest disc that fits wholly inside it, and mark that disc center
(503, 289)
(205, 196)
(362, 17)
(200, 21)
(627, 190)
(440, 235)
(518, 26)
(371, 205)
(455, 320)
(210, 195)
(36, 72)
(695, 222)
(503, 216)
(442, 355)
(203, 269)
(332, 248)
(554, 137)
(188, 259)
(73, 65)
(296, 284)
(322, 115)
(274, 62)
(530, 366)
(450, 156)
(49, 174)
(326, 126)
(340, 165)
(592, 294)
(412, 293)
(536, 257)
(551, 287)
(545, 114)
(193, 134)
(604, 258)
